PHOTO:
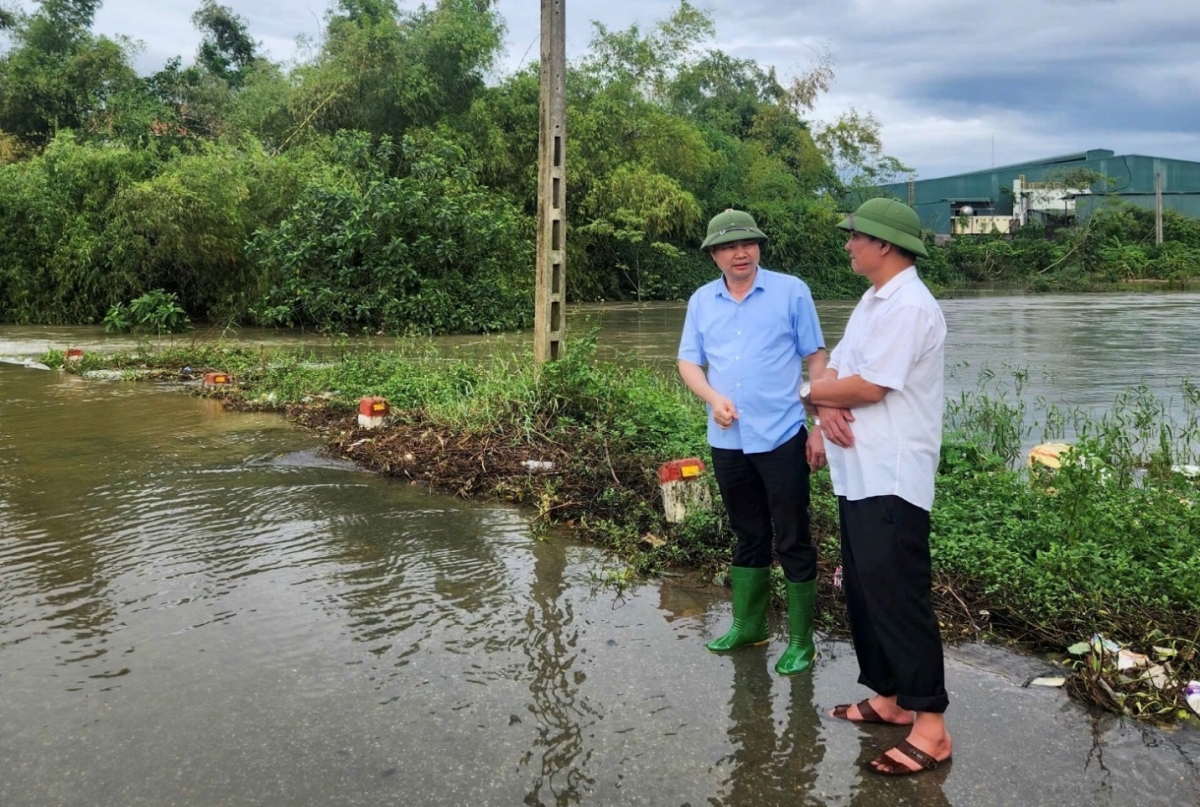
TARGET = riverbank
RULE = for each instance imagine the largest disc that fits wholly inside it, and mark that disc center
(1106, 548)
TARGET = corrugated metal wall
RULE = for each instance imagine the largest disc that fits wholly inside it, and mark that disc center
(990, 191)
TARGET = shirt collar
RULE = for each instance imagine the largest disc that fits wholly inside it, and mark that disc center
(759, 284)
(893, 285)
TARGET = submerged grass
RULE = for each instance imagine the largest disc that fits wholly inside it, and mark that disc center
(1107, 545)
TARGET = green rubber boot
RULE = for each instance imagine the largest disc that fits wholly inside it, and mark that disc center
(751, 591)
(800, 651)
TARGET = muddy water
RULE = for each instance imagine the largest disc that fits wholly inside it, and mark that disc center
(198, 609)
(1078, 349)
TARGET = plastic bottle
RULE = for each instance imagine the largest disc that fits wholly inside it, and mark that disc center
(1191, 694)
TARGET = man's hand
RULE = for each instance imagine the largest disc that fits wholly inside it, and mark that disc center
(814, 449)
(835, 423)
(724, 412)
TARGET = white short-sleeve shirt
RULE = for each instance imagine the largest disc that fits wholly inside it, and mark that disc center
(895, 338)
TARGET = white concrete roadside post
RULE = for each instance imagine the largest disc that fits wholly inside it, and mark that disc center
(372, 412)
(683, 488)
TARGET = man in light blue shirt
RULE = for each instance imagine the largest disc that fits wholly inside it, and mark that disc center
(753, 328)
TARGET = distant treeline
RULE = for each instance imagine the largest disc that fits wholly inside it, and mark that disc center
(386, 181)
(1116, 245)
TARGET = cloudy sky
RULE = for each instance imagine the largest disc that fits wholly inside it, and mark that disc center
(956, 85)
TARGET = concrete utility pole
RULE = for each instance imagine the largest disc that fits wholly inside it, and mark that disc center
(549, 315)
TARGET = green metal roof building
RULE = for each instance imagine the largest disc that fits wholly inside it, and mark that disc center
(1043, 190)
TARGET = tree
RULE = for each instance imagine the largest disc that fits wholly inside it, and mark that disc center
(807, 87)
(648, 63)
(226, 51)
(58, 75)
(384, 71)
(406, 241)
(723, 92)
(202, 100)
(851, 143)
(641, 211)
(854, 147)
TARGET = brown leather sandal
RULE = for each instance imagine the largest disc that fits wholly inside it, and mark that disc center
(869, 715)
(886, 766)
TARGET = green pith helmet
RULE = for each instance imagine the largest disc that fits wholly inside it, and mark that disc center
(888, 220)
(732, 225)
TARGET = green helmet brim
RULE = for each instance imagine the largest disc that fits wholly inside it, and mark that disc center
(884, 232)
(732, 225)
(732, 234)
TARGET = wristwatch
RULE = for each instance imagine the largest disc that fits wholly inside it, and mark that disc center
(806, 394)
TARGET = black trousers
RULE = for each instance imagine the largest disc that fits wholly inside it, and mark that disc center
(766, 496)
(887, 578)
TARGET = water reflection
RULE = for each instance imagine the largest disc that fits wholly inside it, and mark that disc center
(926, 789)
(777, 747)
(559, 754)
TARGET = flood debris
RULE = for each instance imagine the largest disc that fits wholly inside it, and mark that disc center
(1143, 685)
(1191, 694)
(569, 480)
(1046, 681)
(28, 364)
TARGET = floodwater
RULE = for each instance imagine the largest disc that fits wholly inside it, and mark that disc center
(1073, 350)
(196, 608)
(1077, 350)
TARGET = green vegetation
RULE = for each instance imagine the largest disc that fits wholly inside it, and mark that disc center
(154, 312)
(1115, 246)
(380, 184)
(1106, 545)
(427, 251)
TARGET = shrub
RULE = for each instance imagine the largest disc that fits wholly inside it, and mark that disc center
(154, 312)
(408, 242)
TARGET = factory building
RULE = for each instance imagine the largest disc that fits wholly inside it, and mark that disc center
(1054, 190)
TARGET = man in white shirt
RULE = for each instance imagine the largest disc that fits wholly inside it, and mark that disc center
(880, 403)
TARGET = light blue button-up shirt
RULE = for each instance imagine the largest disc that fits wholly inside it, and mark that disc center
(753, 350)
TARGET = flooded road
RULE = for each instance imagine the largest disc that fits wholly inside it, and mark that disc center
(198, 609)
